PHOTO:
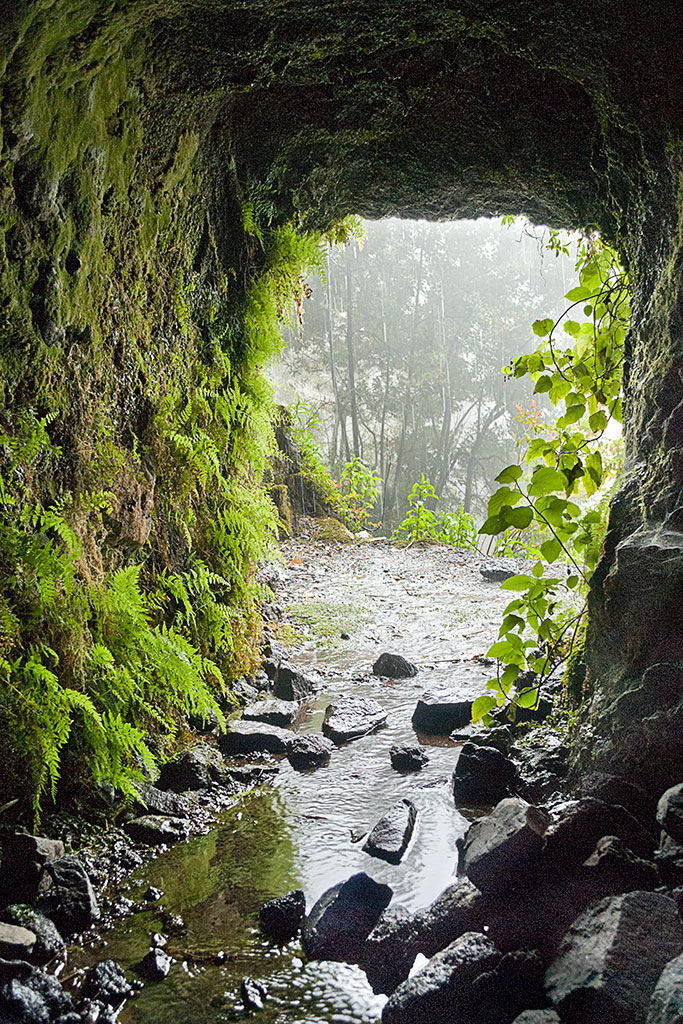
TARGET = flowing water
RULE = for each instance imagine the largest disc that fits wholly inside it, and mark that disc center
(305, 831)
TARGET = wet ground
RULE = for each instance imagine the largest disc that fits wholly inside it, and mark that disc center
(430, 605)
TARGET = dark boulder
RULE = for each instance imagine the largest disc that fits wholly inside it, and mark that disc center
(501, 737)
(389, 953)
(538, 1017)
(502, 851)
(577, 825)
(107, 983)
(438, 714)
(254, 738)
(194, 768)
(443, 990)
(23, 860)
(252, 774)
(614, 869)
(155, 965)
(205, 723)
(611, 958)
(393, 666)
(543, 771)
(515, 984)
(483, 777)
(614, 789)
(291, 684)
(669, 861)
(497, 570)
(390, 837)
(271, 711)
(408, 759)
(670, 812)
(309, 751)
(666, 1004)
(460, 908)
(154, 829)
(28, 996)
(281, 918)
(70, 900)
(16, 943)
(349, 718)
(343, 917)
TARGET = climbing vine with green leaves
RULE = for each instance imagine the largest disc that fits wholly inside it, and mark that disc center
(578, 366)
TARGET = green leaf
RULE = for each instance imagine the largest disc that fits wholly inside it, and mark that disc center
(509, 475)
(520, 518)
(543, 327)
(551, 549)
(527, 698)
(481, 706)
(493, 525)
(543, 384)
(573, 413)
(576, 294)
(546, 480)
(502, 498)
(572, 581)
(519, 582)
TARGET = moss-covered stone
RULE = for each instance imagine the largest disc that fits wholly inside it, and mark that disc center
(332, 531)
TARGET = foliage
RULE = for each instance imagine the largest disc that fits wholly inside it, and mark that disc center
(422, 522)
(581, 372)
(358, 494)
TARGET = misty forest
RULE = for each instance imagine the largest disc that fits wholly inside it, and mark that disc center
(341, 513)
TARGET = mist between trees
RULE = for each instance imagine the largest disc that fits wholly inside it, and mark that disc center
(399, 359)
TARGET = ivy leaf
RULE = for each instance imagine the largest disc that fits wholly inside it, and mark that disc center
(551, 550)
(527, 698)
(543, 384)
(520, 518)
(546, 480)
(493, 525)
(481, 706)
(509, 475)
(543, 327)
(518, 582)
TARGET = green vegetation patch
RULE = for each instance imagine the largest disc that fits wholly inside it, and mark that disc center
(327, 620)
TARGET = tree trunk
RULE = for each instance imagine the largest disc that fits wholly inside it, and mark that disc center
(355, 429)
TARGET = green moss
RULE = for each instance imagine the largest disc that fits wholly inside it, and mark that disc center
(331, 531)
(327, 620)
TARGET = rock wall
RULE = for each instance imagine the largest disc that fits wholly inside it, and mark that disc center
(159, 170)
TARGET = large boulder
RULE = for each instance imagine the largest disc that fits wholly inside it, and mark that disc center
(670, 812)
(609, 962)
(309, 751)
(438, 714)
(538, 1017)
(393, 666)
(106, 982)
(272, 711)
(70, 901)
(577, 825)
(156, 829)
(460, 908)
(514, 984)
(499, 569)
(153, 800)
(49, 943)
(390, 837)
(390, 951)
(502, 851)
(24, 858)
(669, 861)
(343, 917)
(483, 777)
(16, 943)
(28, 996)
(291, 684)
(281, 918)
(349, 718)
(666, 1004)
(254, 738)
(443, 989)
(194, 768)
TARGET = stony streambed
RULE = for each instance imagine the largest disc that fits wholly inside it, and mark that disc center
(306, 829)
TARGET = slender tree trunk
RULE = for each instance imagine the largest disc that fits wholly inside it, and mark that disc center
(333, 365)
(446, 437)
(355, 428)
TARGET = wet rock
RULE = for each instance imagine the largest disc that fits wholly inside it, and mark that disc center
(158, 801)
(438, 714)
(352, 717)
(271, 711)
(281, 918)
(483, 777)
(107, 983)
(497, 570)
(666, 1004)
(669, 861)
(408, 759)
(252, 774)
(390, 837)
(152, 894)
(309, 751)
(23, 860)
(670, 812)
(543, 771)
(503, 850)
(194, 768)
(517, 715)
(343, 917)
(390, 951)
(501, 737)
(253, 993)
(460, 908)
(614, 789)
(261, 681)
(154, 965)
(16, 943)
(291, 684)
(205, 723)
(254, 738)
(610, 960)
(443, 990)
(49, 943)
(70, 901)
(393, 666)
(538, 1017)
(244, 691)
(153, 829)
(577, 825)
(28, 996)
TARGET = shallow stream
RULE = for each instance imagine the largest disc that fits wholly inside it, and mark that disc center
(306, 830)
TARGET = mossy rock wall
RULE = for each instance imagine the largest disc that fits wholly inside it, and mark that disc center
(160, 166)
